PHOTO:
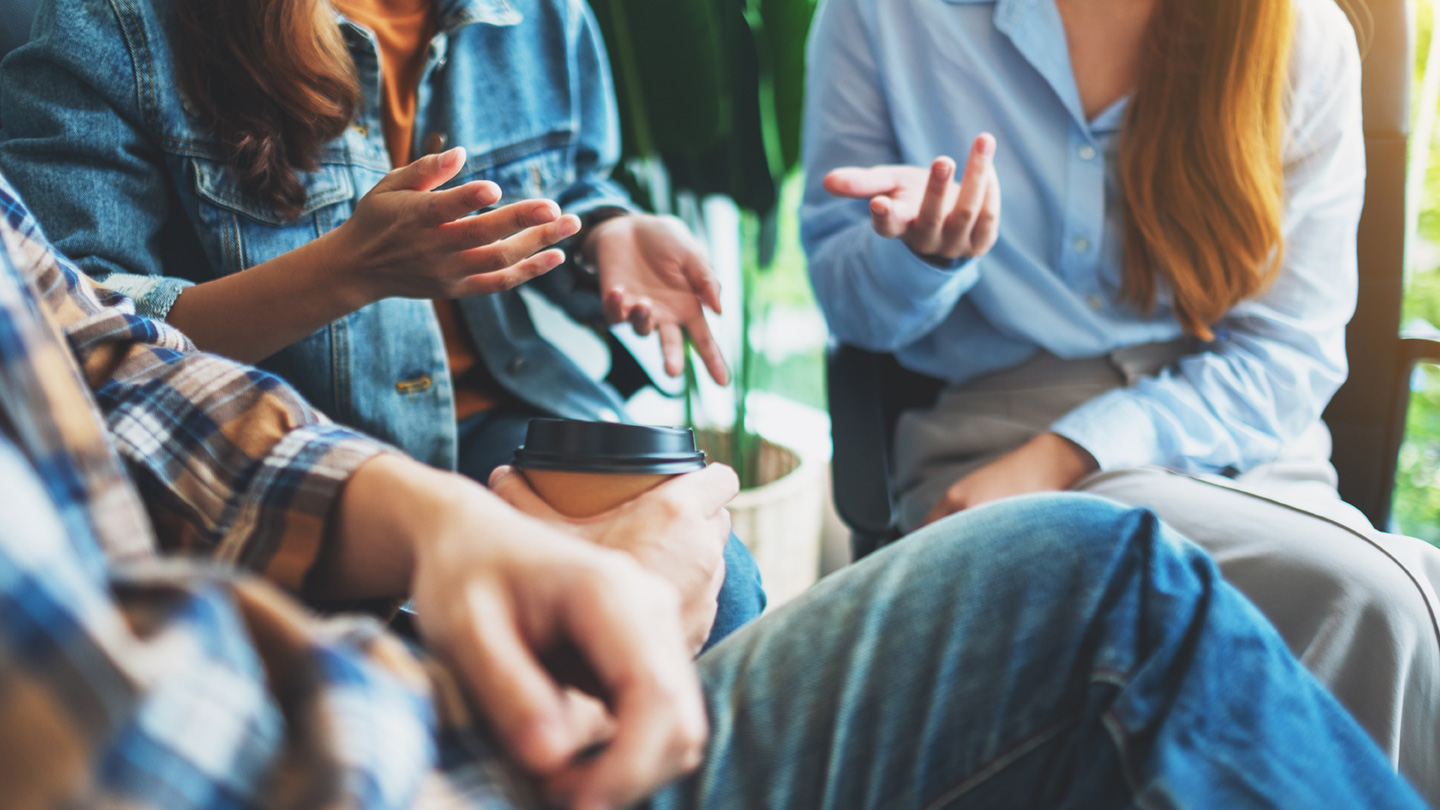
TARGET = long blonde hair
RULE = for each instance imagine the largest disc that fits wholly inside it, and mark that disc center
(1201, 163)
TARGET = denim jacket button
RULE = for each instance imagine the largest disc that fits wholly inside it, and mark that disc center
(435, 143)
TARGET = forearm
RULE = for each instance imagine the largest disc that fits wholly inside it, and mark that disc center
(250, 315)
(388, 509)
(876, 293)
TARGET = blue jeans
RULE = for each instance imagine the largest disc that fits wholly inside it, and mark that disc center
(489, 439)
(1052, 651)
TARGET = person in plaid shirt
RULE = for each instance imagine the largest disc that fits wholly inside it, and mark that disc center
(164, 513)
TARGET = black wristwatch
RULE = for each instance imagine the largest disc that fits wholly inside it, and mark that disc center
(588, 221)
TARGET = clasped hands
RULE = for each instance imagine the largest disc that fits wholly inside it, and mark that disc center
(407, 239)
(575, 638)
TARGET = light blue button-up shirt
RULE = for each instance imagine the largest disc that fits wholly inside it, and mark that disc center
(902, 81)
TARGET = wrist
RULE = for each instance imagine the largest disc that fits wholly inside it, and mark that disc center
(592, 224)
(389, 512)
(1072, 462)
(340, 273)
(938, 261)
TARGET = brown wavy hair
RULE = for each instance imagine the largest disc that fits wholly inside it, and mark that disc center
(1201, 158)
(273, 82)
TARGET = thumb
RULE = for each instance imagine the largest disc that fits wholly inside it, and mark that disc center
(425, 174)
(510, 485)
(521, 700)
(708, 490)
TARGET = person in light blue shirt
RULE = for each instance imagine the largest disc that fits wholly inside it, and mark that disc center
(1159, 314)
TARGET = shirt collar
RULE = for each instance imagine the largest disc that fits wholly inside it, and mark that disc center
(454, 14)
(1035, 28)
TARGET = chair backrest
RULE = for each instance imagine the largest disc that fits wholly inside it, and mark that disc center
(1367, 415)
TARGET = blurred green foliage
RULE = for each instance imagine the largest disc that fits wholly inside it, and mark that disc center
(785, 287)
(1417, 480)
(710, 96)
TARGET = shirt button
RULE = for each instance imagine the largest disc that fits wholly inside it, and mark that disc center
(1081, 244)
(435, 143)
(1096, 302)
(517, 365)
(1086, 152)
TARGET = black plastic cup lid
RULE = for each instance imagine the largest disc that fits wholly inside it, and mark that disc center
(570, 445)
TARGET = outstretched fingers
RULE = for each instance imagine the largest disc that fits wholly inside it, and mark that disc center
(507, 221)
(924, 234)
(886, 218)
(500, 243)
(862, 182)
(489, 282)
(454, 203)
(987, 224)
(426, 173)
(702, 280)
(709, 349)
(972, 211)
(672, 347)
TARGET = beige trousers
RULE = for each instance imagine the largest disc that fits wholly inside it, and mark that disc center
(1357, 606)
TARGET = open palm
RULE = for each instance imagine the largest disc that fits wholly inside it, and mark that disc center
(938, 218)
(654, 274)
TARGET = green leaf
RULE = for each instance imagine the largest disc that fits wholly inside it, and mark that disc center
(787, 26)
(671, 77)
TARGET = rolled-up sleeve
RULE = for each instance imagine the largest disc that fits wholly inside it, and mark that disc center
(231, 462)
(875, 292)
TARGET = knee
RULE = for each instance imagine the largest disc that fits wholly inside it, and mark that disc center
(1055, 536)
(1375, 593)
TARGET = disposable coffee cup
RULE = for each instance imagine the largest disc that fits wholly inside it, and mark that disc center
(585, 468)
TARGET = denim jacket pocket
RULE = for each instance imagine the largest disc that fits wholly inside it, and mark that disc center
(533, 167)
(242, 231)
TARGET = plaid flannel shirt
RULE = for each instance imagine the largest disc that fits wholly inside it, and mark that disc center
(133, 674)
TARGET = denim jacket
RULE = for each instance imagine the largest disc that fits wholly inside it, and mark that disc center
(124, 180)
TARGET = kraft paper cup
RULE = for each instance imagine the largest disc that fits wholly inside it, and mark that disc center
(585, 468)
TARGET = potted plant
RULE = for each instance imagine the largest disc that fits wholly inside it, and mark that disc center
(710, 95)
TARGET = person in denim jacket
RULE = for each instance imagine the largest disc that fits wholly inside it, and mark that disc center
(169, 145)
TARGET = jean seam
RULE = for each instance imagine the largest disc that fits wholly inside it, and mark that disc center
(1000, 762)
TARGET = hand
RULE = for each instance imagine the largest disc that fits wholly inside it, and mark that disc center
(407, 240)
(939, 220)
(1047, 463)
(654, 274)
(521, 612)
(677, 530)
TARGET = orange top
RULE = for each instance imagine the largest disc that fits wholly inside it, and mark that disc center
(402, 29)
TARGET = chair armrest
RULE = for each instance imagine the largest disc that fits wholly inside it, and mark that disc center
(860, 466)
(1419, 349)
